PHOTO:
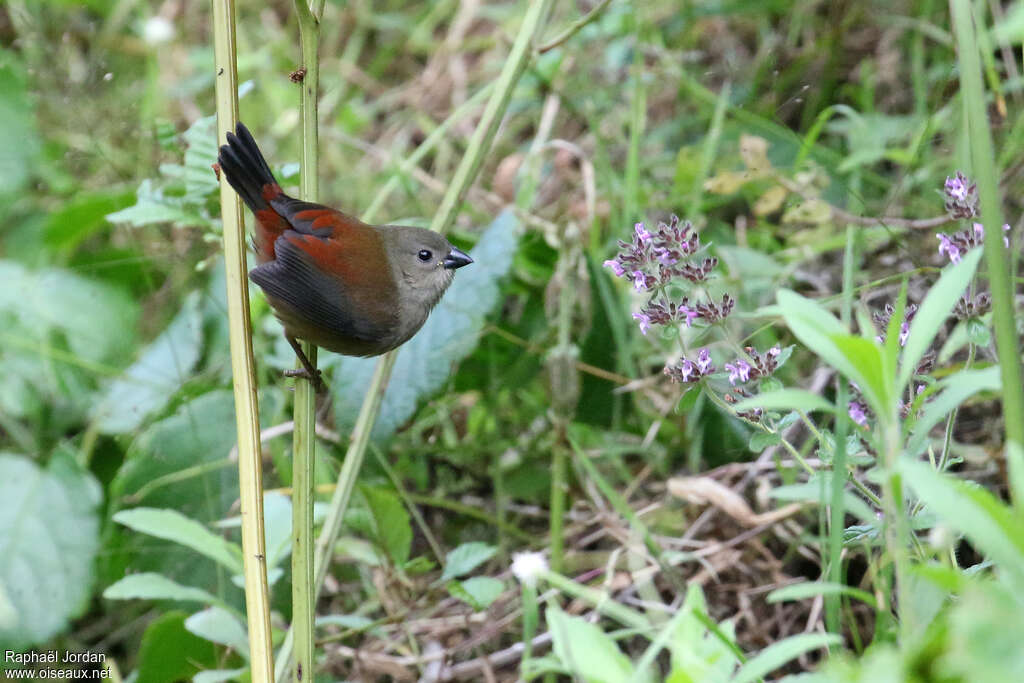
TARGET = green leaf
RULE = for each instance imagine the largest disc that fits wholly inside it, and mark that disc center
(218, 625)
(871, 372)
(390, 523)
(478, 592)
(787, 399)
(992, 527)
(811, 589)
(80, 218)
(934, 311)
(425, 362)
(820, 332)
(586, 650)
(19, 140)
(153, 586)
(954, 390)
(761, 440)
(169, 653)
(978, 332)
(156, 376)
(465, 558)
(777, 654)
(49, 536)
(173, 526)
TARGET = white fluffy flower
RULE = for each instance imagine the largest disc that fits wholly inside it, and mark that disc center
(527, 567)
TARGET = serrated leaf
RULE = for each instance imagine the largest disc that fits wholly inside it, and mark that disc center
(153, 586)
(425, 362)
(466, 558)
(171, 525)
(478, 592)
(49, 535)
(220, 626)
(156, 376)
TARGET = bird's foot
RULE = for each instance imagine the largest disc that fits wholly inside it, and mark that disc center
(314, 378)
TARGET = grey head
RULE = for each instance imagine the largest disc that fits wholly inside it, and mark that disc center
(423, 264)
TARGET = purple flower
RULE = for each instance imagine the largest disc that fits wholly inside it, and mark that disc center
(774, 351)
(904, 333)
(948, 246)
(615, 266)
(645, 321)
(857, 413)
(1006, 235)
(688, 314)
(740, 370)
(642, 281)
(961, 197)
(704, 361)
(641, 233)
(956, 188)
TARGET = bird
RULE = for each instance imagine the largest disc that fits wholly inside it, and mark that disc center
(332, 280)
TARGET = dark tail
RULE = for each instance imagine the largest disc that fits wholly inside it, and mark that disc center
(246, 170)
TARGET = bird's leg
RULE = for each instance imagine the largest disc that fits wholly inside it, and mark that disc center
(308, 371)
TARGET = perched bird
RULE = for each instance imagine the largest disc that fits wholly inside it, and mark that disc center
(332, 280)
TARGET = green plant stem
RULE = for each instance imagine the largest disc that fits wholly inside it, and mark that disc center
(983, 166)
(243, 366)
(304, 437)
(833, 602)
(478, 147)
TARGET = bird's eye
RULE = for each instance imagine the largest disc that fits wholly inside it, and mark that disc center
(425, 255)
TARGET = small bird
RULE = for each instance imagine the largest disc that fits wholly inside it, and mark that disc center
(332, 280)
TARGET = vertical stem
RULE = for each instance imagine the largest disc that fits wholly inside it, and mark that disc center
(304, 436)
(467, 170)
(243, 368)
(984, 172)
(837, 504)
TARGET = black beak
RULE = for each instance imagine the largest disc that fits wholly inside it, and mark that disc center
(456, 259)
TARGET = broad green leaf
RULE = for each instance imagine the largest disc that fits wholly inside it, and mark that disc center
(934, 311)
(390, 523)
(153, 586)
(169, 653)
(218, 625)
(820, 332)
(787, 399)
(425, 362)
(173, 526)
(49, 536)
(478, 592)
(811, 589)
(992, 527)
(156, 376)
(955, 389)
(80, 218)
(777, 654)
(585, 650)
(465, 558)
